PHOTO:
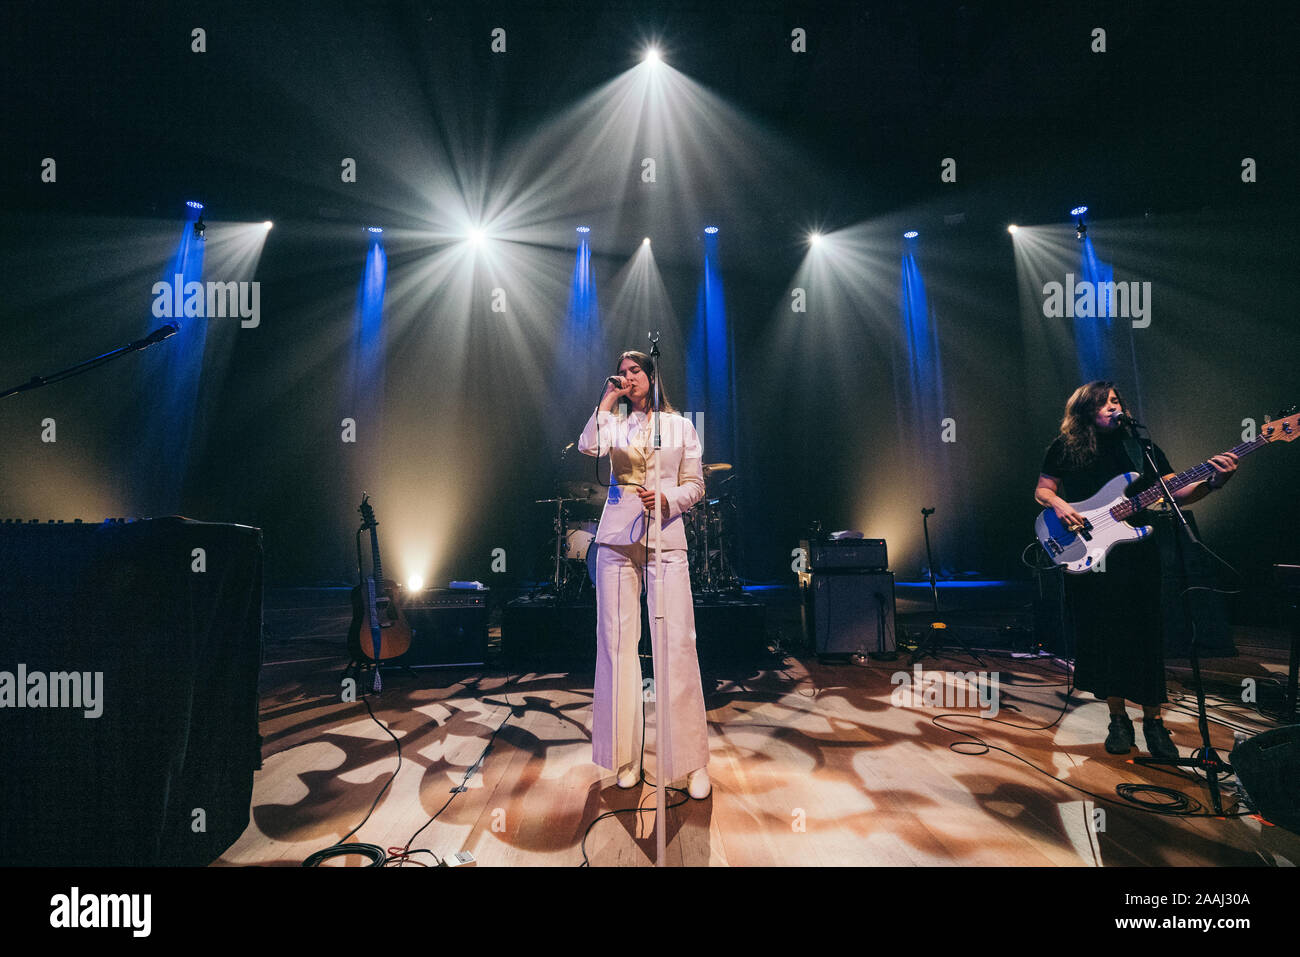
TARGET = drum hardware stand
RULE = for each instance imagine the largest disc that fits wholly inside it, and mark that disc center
(558, 578)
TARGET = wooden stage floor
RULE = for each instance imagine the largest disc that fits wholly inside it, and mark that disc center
(812, 765)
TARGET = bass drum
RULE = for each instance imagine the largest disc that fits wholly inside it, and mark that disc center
(579, 537)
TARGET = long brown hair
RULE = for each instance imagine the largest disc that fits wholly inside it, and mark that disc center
(1079, 427)
(648, 367)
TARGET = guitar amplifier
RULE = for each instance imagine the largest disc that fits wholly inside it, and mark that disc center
(856, 554)
(448, 628)
(850, 612)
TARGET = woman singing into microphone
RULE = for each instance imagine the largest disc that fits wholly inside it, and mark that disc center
(625, 562)
(1119, 634)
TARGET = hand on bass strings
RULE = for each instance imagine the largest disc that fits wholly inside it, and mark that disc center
(1070, 518)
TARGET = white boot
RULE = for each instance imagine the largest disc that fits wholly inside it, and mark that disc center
(629, 775)
(698, 784)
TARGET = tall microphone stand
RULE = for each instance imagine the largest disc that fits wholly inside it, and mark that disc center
(1209, 761)
(658, 642)
(931, 644)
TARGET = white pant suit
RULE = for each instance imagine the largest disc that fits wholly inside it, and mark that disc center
(623, 564)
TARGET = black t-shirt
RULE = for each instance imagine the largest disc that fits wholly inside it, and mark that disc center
(1117, 452)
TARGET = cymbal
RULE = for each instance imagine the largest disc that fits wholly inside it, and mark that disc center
(718, 467)
(587, 491)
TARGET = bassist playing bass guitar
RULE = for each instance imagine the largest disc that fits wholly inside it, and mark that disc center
(1119, 643)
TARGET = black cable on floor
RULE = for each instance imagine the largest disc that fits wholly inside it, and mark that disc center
(373, 851)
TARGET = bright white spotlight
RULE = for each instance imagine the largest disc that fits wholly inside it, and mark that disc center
(652, 56)
(268, 224)
(1013, 229)
(646, 241)
(814, 238)
(476, 236)
(415, 583)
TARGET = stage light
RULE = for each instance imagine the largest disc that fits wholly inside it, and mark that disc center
(200, 227)
(476, 236)
(911, 234)
(711, 230)
(1078, 210)
(646, 241)
(375, 229)
(194, 204)
(1013, 229)
(415, 583)
(814, 238)
(268, 224)
(652, 56)
(584, 229)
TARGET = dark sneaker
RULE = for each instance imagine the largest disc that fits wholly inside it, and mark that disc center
(1159, 745)
(1120, 736)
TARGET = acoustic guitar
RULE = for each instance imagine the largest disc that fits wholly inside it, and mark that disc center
(378, 631)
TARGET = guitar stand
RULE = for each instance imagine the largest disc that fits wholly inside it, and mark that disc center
(357, 670)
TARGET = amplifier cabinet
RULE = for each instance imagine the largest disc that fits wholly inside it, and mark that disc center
(447, 628)
(862, 554)
(852, 612)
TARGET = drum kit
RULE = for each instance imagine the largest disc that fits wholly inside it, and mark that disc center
(711, 527)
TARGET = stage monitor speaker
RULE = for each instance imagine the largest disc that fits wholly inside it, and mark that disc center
(1269, 768)
(448, 628)
(852, 612)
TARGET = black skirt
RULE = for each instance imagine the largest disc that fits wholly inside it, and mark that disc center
(1118, 627)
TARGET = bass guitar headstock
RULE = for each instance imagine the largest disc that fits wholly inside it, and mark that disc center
(1284, 428)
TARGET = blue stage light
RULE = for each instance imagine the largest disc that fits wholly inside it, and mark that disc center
(911, 234)
(584, 229)
(374, 229)
(1078, 210)
(194, 204)
(711, 230)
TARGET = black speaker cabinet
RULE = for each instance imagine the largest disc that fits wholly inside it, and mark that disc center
(1269, 768)
(541, 632)
(447, 628)
(852, 612)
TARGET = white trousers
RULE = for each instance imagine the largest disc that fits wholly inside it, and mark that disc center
(617, 725)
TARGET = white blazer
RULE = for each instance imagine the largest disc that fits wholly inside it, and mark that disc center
(629, 444)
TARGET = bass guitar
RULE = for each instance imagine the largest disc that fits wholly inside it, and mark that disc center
(1106, 514)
